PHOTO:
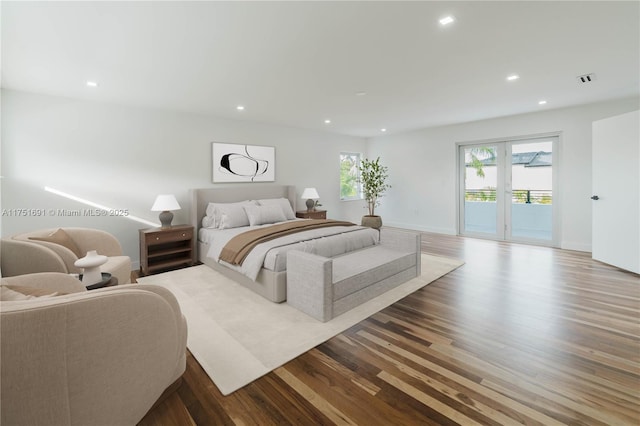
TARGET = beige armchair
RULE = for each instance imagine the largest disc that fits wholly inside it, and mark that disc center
(100, 357)
(57, 249)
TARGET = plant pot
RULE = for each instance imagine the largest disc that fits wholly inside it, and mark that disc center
(374, 222)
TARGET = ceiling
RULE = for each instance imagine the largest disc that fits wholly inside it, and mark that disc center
(363, 65)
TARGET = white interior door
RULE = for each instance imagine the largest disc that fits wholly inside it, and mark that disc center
(616, 191)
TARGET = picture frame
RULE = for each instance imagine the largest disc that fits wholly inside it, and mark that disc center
(242, 163)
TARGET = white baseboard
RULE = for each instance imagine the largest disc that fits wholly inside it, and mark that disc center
(414, 227)
(565, 245)
(571, 245)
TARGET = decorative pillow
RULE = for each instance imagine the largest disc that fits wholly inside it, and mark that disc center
(261, 215)
(14, 292)
(62, 238)
(208, 222)
(284, 204)
(215, 211)
(235, 220)
(211, 209)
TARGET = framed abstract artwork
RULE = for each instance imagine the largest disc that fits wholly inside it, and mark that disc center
(243, 163)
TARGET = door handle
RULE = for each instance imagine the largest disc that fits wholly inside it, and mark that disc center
(595, 198)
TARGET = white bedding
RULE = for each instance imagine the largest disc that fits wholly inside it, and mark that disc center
(271, 255)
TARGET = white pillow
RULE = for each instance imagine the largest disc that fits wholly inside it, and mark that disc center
(211, 209)
(284, 204)
(233, 220)
(261, 215)
(215, 211)
(208, 222)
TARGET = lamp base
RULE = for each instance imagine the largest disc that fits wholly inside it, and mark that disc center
(165, 219)
(310, 204)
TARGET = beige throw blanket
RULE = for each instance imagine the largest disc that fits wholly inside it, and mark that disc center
(237, 249)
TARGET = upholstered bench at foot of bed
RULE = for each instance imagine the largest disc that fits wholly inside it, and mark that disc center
(325, 287)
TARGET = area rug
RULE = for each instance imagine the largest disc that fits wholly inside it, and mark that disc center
(238, 336)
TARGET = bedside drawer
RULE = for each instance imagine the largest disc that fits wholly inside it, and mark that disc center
(314, 214)
(168, 237)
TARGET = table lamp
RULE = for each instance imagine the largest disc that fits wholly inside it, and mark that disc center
(165, 203)
(310, 194)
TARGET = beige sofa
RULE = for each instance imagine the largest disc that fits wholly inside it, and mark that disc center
(22, 254)
(100, 357)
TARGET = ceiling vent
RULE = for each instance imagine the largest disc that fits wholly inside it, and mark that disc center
(587, 78)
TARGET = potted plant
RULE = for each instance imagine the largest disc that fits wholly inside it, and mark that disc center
(373, 177)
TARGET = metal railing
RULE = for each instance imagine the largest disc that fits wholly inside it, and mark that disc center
(518, 196)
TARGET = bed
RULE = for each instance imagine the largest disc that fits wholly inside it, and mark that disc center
(265, 272)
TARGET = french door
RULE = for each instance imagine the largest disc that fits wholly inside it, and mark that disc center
(507, 190)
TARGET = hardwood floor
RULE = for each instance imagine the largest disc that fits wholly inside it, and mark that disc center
(519, 334)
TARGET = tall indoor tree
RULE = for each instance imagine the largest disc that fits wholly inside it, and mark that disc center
(373, 177)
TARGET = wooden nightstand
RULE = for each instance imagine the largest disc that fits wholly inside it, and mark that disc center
(166, 248)
(314, 214)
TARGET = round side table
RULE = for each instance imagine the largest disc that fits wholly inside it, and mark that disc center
(107, 281)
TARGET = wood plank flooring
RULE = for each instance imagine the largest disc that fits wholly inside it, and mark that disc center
(518, 335)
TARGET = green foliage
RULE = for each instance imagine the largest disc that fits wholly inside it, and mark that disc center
(477, 164)
(545, 199)
(348, 176)
(519, 196)
(373, 177)
(476, 153)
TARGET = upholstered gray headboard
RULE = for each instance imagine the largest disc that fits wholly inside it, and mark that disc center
(201, 197)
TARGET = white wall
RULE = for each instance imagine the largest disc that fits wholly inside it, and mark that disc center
(122, 157)
(422, 167)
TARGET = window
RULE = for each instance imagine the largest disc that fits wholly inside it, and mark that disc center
(349, 186)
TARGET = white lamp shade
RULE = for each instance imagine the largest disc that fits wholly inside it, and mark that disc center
(310, 193)
(165, 202)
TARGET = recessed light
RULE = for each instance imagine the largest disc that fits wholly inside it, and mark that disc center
(513, 77)
(447, 20)
(542, 102)
(383, 130)
(327, 121)
(92, 84)
(361, 93)
(240, 108)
